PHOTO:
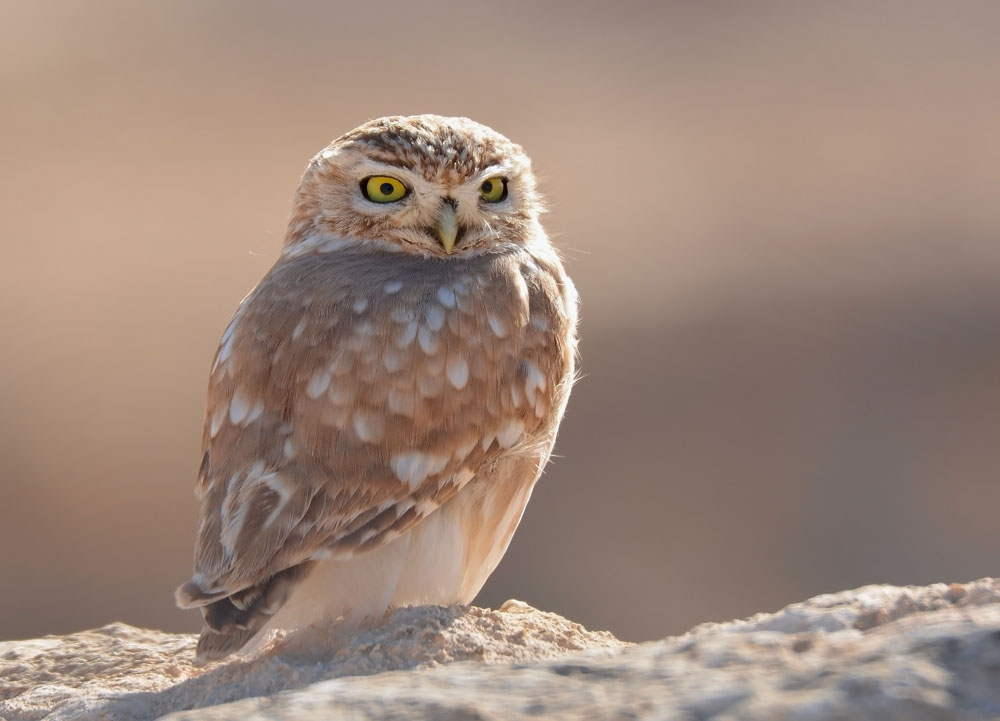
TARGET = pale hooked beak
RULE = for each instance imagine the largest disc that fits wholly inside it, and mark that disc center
(447, 227)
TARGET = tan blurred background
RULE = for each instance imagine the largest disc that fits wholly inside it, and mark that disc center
(784, 220)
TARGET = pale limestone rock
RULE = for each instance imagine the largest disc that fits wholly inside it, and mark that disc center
(879, 652)
(121, 673)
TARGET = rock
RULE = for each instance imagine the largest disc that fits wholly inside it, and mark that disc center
(119, 672)
(878, 652)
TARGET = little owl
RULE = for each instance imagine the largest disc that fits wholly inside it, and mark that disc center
(383, 402)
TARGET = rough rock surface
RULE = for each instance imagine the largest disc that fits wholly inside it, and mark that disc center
(119, 672)
(879, 652)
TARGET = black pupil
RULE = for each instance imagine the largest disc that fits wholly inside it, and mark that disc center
(386, 189)
(488, 187)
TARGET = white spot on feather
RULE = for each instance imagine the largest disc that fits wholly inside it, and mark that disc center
(277, 484)
(413, 468)
(497, 325)
(457, 372)
(289, 448)
(446, 296)
(232, 525)
(533, 381)
(314, 244)
(239, 406)
(254, 414)
(428, 341)
(402, 401)
(318, 384)
(510, 432)
(217, 418)
(234, 515)
(407, 335)
(299, 328)
(360, 305)
(370, 428)
(224, 350)
(522, 289)
(393, 286)
(228, 336)
(435, 317)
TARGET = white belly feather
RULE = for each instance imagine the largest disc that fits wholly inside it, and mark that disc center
(444, 559)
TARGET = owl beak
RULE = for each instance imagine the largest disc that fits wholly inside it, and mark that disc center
(447, 227)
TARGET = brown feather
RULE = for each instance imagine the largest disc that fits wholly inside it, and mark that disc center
(359, 387)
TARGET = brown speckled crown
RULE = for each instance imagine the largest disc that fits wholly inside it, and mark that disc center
(431, 143)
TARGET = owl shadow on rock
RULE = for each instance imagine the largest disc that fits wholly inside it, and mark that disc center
(407, 638)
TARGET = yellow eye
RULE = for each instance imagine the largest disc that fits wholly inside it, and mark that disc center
(383, 189)
(493, 190)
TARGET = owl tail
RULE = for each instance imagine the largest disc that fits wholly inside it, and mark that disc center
(231, 621)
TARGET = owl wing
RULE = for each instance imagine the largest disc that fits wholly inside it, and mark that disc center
(328, 432)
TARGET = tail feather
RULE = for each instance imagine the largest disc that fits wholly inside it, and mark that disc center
(190, 595)
(213, 646)
(232, 621)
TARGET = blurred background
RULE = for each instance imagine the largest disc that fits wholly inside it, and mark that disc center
(783, 218)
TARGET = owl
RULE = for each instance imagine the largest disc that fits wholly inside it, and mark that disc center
(383, 402)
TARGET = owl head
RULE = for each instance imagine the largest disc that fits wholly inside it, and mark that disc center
(423, 184)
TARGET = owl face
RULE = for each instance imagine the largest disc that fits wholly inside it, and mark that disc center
(425, 185)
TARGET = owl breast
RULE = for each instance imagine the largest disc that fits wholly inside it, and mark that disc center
(432, 375)
(388, 361)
